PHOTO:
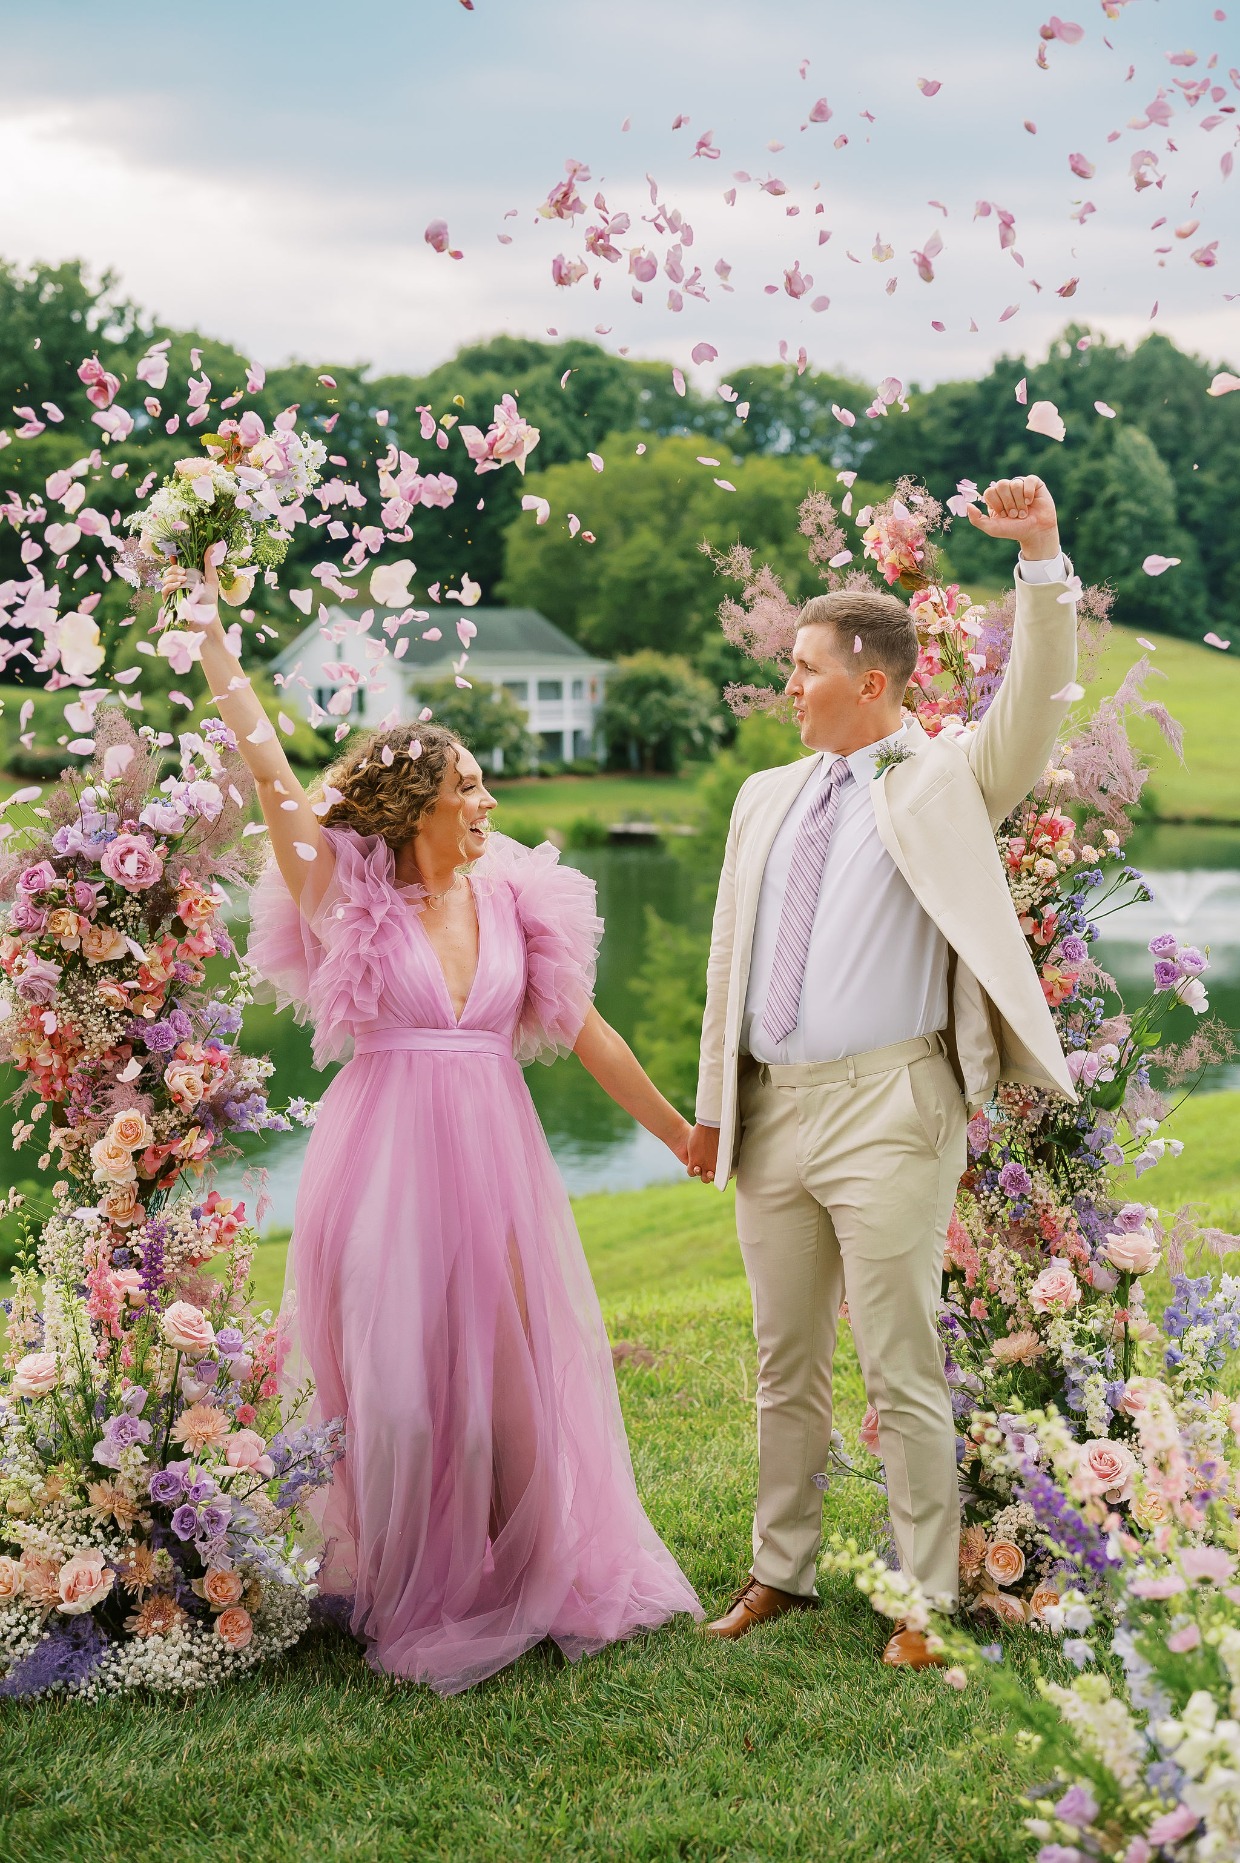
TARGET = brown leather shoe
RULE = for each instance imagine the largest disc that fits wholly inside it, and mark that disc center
(756, 1603)
(909, 1649)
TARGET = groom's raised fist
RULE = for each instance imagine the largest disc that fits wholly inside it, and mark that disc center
(1023, 510)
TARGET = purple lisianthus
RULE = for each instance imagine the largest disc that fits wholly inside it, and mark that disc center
(1132, 1216)
(1077, 1806)
(163, 818)
(200, 1489)
(185, 1522)
(179, 1023)
(1074, 950)
(1193, 961)
(229, 1341)
(1167, 974)
(137, 1394)
(85, 834)
(213, 1520)
(1165, 945)
(120, 1432)
(1014, 1180)
(168, 1484)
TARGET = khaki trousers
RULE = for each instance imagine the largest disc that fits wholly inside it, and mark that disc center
(845, 1184)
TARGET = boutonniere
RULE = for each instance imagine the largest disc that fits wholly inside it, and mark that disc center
(889, 756)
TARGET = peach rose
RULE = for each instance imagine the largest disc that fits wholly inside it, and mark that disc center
(1149, 1511)
(1135, 1251)
(1005, 1562)
(867, 1435)
(12, 1579)
(35, 1375)
(113, 1161)
(1104, 1467)
(1001, 1604)
(1055, 1289)
(183, 1083)
(113, 995)
(1136, 1398)
(222, 1586)
(84, 1581)
(121, 1205)
(102, 943)
(130, 1129)
(246, 1449)
(187, 1327)
(235, 1626)
(1017, 1348)
(1044, 1599)
(65, 927)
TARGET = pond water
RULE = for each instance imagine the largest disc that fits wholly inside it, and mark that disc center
(1194, 874)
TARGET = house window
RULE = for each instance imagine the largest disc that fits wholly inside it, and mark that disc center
(552, 745)
(323, 693)
(551, 691)
(520, 690)
(579, 688)
(583, 743)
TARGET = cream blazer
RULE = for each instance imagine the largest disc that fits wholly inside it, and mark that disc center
(936, 813)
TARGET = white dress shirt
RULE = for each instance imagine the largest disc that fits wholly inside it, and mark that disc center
(877, 966)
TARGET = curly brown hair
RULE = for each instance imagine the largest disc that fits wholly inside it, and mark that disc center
(389, 795)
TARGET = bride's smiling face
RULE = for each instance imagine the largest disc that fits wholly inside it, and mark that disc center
(455, 827)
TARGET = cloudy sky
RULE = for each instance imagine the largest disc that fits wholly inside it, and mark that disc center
(265, 172)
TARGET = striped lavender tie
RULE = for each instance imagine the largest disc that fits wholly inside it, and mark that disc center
(796, 920)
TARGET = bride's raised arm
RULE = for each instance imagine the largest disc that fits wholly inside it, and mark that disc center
(297, 840)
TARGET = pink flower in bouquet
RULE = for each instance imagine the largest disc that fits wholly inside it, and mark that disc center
(122, 1206)
(131, 1129)
(1058, 983)
(35, 1375)
(1173, 1825)
(1005, 1562)
(896, 542)
(196, 905)
(1043, 1599)
(235, 1627)
(1187, 1637)
(201, 1426)
(867, 1435)
(245, 1449)
(222, 1586)
(1105, 1468)
(184, 1083)
(1158, 1590)
(1134, 1252)
(132, 862)
(12, 1579)
(25, 916)
(187, 1327)
(83, 1582)
(128, 1283)
(1001, 1604)
(36, 978)
(162, 818)
(1208, 1562)
(39, 878)
(113, 1161)
(1056, 1288)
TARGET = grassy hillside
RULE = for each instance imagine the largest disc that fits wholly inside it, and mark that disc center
(1201, 688)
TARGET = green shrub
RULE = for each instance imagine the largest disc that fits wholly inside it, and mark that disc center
(587, 831)
(521, 828)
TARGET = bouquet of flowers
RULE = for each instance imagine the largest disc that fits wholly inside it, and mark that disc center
(240, 500)
(149, 1476)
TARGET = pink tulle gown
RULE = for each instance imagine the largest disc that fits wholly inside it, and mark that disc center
(486, 1498)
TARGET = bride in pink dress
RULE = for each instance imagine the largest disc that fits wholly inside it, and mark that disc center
(486, 1499)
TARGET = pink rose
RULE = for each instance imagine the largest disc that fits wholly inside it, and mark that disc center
(1188, 1637)
(132, 862)
(83, 1582)
(184, 1083)
(35, 1375)
(128, 1283)
(187, 1328)
(12, 1578)
(1133, 1252)
(245, 1449)
(1105, 1468)
(235, 1627)
(36, 879)
(1055, 1288)
(1173, 1825)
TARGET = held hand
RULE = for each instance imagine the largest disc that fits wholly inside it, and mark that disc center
(1023, 510)
(703, 1157)
(203, 587)
(678, 1143)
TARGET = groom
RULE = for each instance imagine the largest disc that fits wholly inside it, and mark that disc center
(868, 981)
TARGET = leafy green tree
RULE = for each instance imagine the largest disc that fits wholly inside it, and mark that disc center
(487, 720)
(644, 582)
(657, 709)
(1131, 515)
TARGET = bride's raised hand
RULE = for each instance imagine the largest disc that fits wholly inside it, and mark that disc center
(202, 611)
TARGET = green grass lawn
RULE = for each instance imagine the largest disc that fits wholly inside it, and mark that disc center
(1201, 688)
(555, 801)
(793, 1744)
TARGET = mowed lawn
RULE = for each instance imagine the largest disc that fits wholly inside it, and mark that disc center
(793, 1744)
(1200, 686)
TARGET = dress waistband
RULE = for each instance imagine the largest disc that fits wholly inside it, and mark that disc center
(434, 1041)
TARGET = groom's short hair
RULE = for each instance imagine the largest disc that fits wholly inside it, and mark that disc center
(882, 624)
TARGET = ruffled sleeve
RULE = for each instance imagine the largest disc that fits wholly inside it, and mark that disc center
(327, 957)
(562, 930)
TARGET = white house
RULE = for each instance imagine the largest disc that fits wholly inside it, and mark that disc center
(338, 666)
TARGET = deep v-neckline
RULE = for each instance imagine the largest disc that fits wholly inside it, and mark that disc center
(437, 962)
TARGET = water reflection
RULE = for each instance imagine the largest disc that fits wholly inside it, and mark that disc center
(1194, 874)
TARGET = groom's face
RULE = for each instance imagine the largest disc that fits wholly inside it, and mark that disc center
(831, 699)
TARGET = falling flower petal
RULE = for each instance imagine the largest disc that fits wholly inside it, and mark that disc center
(1212, 640)
(304, 850)
(596, 460)
(929, 87)
(725, 485)
(1155, 565)
(704, 352)
(1224, 383)
(1069, 694)
(1082, 166)
(1022, 391)
(1100, 407)
(389, 583)
(1044, 418)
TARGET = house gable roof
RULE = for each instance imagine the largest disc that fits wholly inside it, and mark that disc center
(506, 636)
